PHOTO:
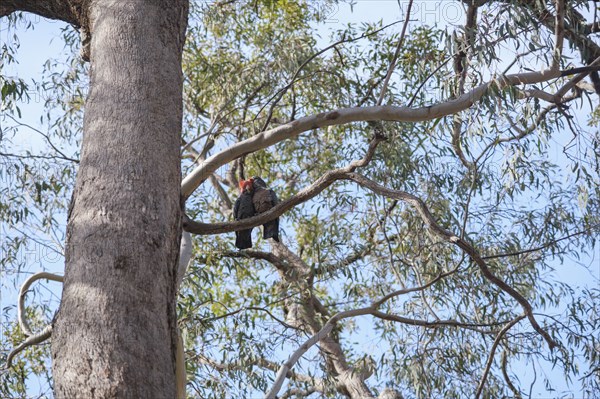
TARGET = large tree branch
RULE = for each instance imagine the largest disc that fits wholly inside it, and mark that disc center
(69, 11)
(355, 114)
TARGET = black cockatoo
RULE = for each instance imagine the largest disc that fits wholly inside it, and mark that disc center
(244, 208)
(264, 199)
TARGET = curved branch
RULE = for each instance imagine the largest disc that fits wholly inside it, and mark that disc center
(515, 391)
(23, 291)
(356, 114)
(32, 339)
(492, 351)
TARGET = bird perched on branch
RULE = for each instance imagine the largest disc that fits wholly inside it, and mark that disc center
(243, 209)
(264, 199)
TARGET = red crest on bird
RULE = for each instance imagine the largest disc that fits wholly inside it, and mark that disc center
(246, 185)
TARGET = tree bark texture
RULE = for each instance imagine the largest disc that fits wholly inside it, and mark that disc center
(115, 334)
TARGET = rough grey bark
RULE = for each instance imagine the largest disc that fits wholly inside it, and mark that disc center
(115, 333)
(65, 10)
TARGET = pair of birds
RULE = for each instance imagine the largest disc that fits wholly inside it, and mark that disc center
(254, 198)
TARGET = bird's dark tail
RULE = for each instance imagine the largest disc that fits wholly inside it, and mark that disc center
(271, 230)
(243, 239)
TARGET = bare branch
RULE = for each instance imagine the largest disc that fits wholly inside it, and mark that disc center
(559, 33)
(198, 158)
(32, 339)
(488, 365)
(509, 383)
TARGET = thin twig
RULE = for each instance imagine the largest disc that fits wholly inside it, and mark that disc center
(396, 54)
(490, 360)
(543, 246)
(509, 383)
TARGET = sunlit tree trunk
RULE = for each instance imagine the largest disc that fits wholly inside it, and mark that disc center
(115, 333)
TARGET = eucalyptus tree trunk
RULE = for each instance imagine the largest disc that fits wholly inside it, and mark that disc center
(115, 333)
